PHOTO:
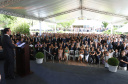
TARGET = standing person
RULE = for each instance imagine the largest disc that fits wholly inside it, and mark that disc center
(56, 52)
(123, 61)
(8, 51)
(18, 36)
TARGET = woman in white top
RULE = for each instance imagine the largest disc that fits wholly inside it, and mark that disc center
(81, 54)
(110, 53)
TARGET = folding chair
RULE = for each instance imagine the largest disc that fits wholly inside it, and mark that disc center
(76, 54)
(71, 54)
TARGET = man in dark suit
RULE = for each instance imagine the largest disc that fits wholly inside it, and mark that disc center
(123, 46)
(36, 39)
(18, 36)
(56, 52)
(60, 40)
(50, 51)
(8, 52)
(72, 47)
(55, 40)
(76, 48)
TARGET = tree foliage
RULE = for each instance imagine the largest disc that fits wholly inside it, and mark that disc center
(15, 23)
(105, 24)
(109, 31)
(21, 25)
(125, 22)
(6, 20)
(22, 28)
(66, 24)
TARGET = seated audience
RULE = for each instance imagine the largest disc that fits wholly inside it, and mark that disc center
(66, 53)
(81, 54)
(60, 53)
(38, 47)
(116, 54)
(86, 53)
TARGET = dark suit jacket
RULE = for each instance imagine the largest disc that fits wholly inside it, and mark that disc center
(71, 48)
(0, 41)
(36, 39)
(55, 51)
(116, 54)
(114, 45)
(60, 40)
(42, 40)
(122, 47)
(18, 36)
(8, 48)
(76, 48)
(55, 41)
(118, 48)
(51, 50)
(102, 41)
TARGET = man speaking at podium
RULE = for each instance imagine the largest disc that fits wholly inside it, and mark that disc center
(8, 51)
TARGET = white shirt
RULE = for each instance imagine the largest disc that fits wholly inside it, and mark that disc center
(7, 35)
(110, 54)
(107, 57)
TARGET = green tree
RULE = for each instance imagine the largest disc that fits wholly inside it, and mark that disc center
(109, 31)
(125, 22)
(6, 20)
(23, 28)
(105, 24)
(66, 24)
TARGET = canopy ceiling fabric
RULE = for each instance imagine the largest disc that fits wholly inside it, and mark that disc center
(60, 10)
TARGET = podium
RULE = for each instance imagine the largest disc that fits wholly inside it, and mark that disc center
(22, 60)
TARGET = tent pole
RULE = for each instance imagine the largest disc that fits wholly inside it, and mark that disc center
(40, 26)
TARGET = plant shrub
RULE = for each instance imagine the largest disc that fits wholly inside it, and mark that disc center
(113, 61)
(39, 55)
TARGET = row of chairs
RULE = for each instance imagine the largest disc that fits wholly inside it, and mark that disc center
(73, 55)
(76, 55)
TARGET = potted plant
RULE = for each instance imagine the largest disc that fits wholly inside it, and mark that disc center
(39, 57)
(113, 64)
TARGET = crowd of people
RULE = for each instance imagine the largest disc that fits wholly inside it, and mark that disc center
(92, 48)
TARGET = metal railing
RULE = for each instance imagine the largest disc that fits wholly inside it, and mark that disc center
(45, 58)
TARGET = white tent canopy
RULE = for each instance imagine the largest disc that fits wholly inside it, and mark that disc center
(111, 11)
(123, 29)
(88, 22)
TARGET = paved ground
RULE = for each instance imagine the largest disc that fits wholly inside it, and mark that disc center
(62, 73)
